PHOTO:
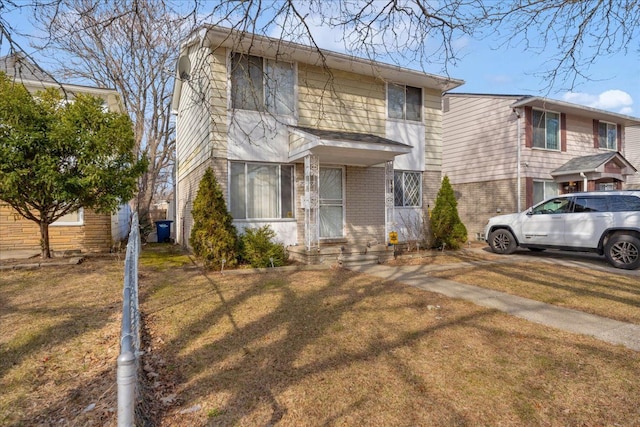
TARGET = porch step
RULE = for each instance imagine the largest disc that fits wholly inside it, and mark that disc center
(358, 259)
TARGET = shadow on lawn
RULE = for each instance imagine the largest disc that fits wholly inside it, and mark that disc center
(59, 381)
(572, 282)
(252, 374)
(264, 372)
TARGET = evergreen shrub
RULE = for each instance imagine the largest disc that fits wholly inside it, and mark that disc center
(446, 226)
(213, 236)
(258, 248)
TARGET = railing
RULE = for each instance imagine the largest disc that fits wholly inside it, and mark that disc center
(130, 332)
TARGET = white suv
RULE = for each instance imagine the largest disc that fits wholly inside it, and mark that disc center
(606, 222)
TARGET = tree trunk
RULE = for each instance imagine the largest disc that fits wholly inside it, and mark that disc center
(44, 240)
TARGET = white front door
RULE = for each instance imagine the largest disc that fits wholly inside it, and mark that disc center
(331, 203)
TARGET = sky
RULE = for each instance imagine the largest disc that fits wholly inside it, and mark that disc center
(614, 83)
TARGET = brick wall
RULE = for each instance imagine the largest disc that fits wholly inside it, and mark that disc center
(17, 233)
(364, 200)
(479, 201)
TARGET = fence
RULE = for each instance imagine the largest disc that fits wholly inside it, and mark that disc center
(130, 332)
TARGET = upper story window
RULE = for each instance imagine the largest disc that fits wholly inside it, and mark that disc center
(261, 84)
(407, 189)
(607, 136)
(404, 102)
(546, 130)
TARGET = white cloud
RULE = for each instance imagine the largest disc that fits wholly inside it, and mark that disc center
(611, 100)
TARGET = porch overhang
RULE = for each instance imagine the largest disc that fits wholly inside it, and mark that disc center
(599, 166)
(343, 148)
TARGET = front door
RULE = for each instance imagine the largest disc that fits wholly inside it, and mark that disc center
(331, 203)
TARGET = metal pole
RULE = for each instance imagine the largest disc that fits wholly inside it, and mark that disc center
(126, 389)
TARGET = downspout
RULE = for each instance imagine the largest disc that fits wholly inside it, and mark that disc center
(584, 181)
(518, 158)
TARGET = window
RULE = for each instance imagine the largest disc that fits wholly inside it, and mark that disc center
(591, 204)
(404, 102)
(260, 84)
(543, 190)
(607, 136)
(72, 218)
(554, 206)
(262, 191)
(606, 186)
(546, 130)
(624, 203)
(407, 189)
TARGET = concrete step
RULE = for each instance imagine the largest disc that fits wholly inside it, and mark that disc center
(358, 259)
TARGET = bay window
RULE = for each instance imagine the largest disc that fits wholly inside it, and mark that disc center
(260, 191)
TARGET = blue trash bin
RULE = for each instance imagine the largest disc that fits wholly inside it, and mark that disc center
(163, 230)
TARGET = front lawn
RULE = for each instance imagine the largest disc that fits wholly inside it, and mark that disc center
(338, 348)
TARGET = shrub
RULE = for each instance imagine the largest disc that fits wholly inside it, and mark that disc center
(258, 248)
(213, 236)
(446, 226)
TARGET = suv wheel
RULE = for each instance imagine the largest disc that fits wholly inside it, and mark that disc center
(502, 241)
(623, 251)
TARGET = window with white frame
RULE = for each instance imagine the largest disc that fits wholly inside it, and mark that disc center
(261, 191)
(404, 102)
(543, 190)
(546, 130)
(407, 189)
(261, 84)
(71, 218)
(607, 136)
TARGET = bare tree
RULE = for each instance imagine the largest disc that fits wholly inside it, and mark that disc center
(579, 32)
(130, 45)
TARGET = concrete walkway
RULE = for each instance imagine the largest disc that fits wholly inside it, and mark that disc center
(602, 328)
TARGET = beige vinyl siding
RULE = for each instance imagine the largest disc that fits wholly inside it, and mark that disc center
(538, 163)
(432, 101)
(198, 111)
(201, 130)
(480, 139)
(632, 153)
(340, 100)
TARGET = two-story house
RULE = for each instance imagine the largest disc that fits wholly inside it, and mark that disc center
(504, 153)
(83, 230)
(326, 148)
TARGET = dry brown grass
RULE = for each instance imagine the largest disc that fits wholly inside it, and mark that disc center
(59, 344)
(337, 348)
(614, 293)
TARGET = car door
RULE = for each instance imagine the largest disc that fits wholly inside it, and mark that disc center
(544, 224)
(591, 216)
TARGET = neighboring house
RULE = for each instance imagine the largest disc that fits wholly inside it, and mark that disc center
(82, 230)
(504, 153)
(632, 153)
(325, 148)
